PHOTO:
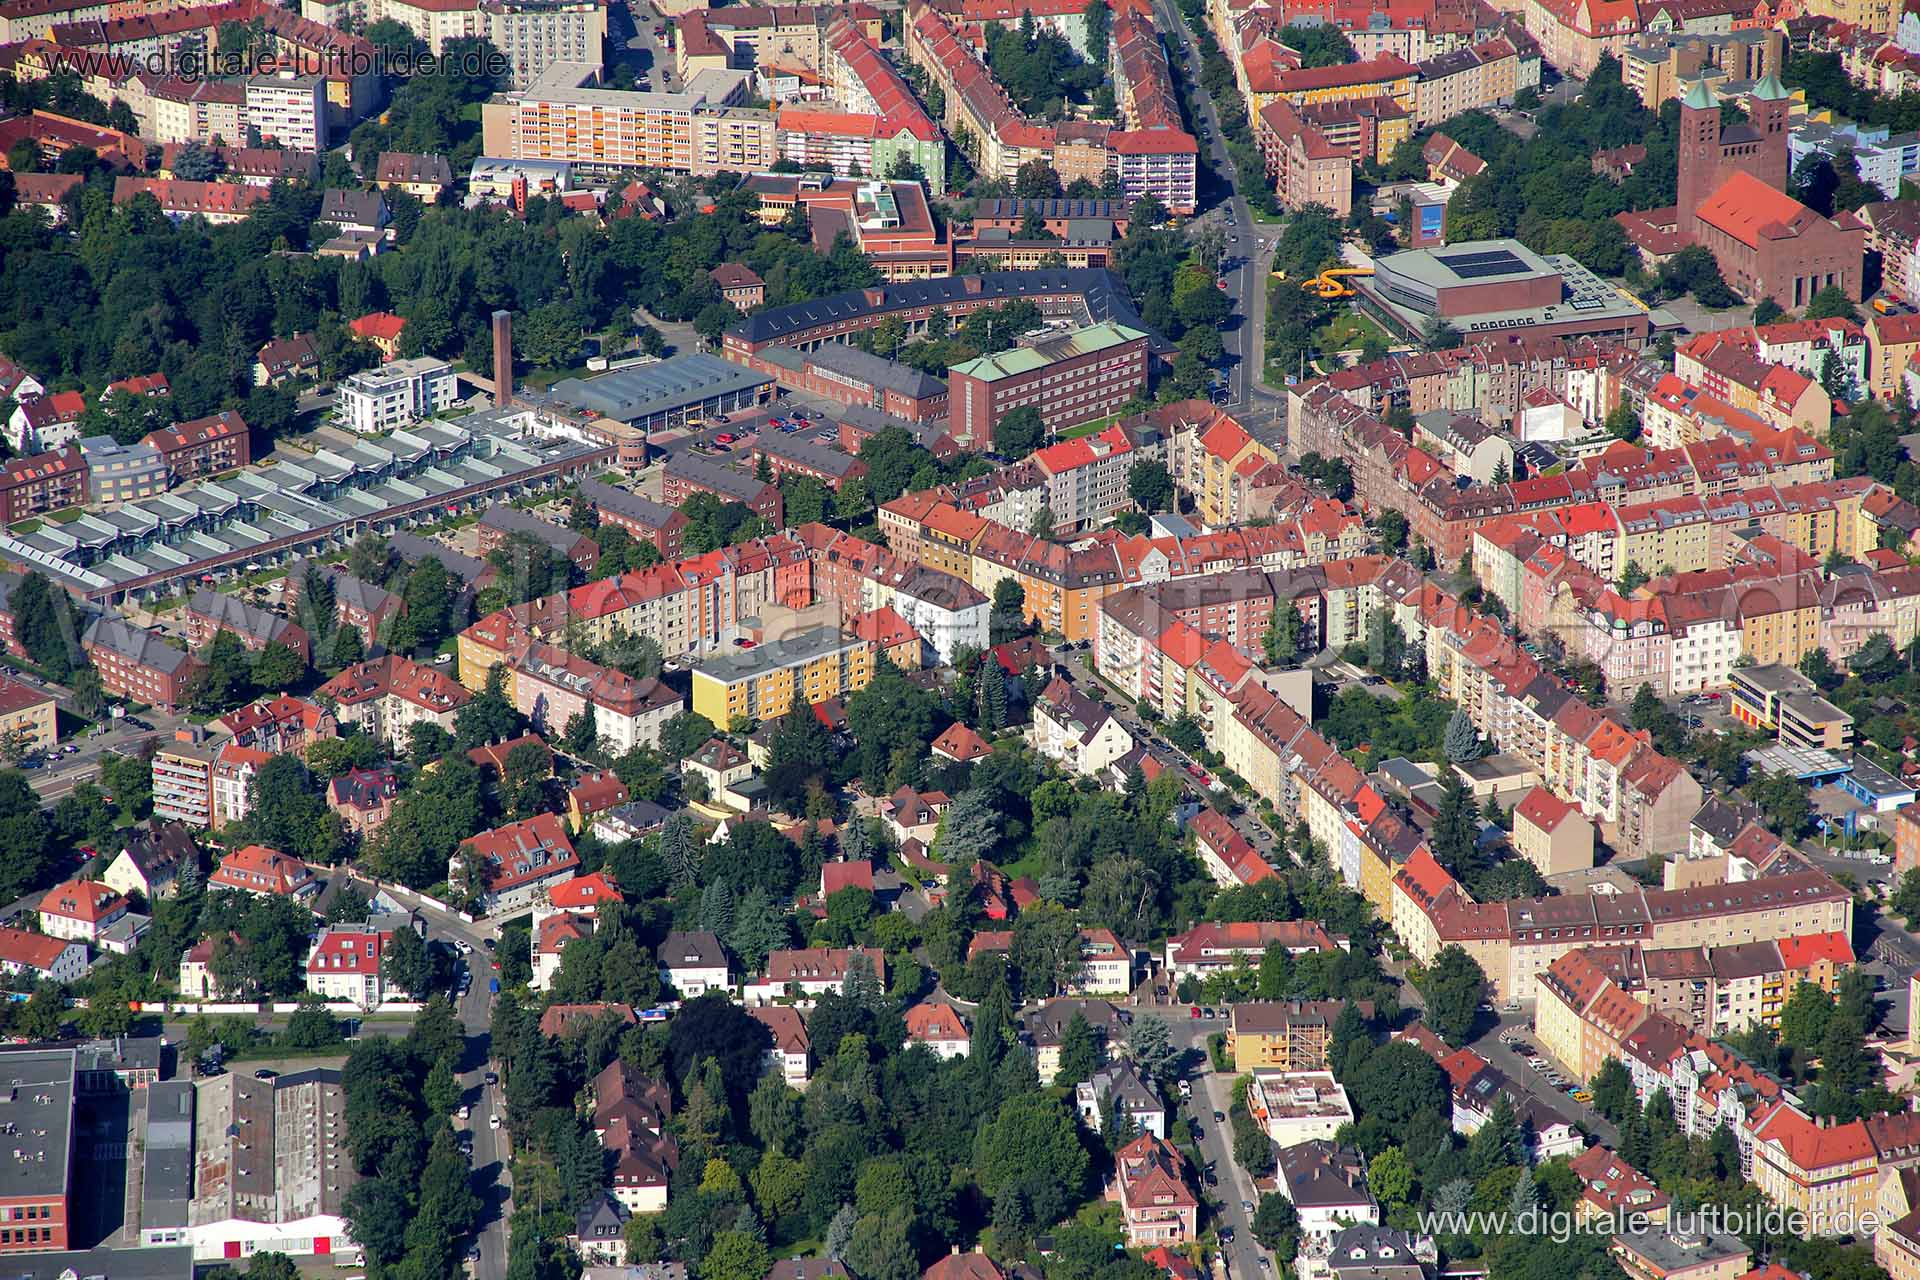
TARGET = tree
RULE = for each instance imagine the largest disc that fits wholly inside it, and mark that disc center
(45, 625)
(1036, 180)
(1285, 635)
(1462, 742)
(1453, 986)
(1498, 1142)
(312, 1025)
(1804, 1018)
(1612, 1090)
(1391, 527)
(1031, 1150)
(1455, 837)
(1276, 1225)
(1150, 1045)
(735, 1255)
(1149, 485)
(1390, 1176)
(1081, 1053)
(1021, 431)
(1008, 619)
(1832, 303)
(277, 666)
(409, 964)
(1320, 45)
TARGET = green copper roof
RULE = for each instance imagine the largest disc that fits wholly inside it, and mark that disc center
(1698, 97)
(1770, 89)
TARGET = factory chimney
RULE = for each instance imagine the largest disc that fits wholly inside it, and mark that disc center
(502, 359)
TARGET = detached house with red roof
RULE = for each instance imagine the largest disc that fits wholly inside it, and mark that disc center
(940, 1028)
(1214, 947)
(38, 955)
(511, 865)
(960, 744)
(810, 973)
(835, 876)
(382, 329)
(81, 909)
(44, 423)
(347, 963)
(265, 872)
(1150, 1184)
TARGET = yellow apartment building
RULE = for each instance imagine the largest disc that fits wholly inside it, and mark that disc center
(802, 669)
(26, 716)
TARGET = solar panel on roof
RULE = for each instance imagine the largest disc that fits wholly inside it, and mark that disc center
(1490, 262)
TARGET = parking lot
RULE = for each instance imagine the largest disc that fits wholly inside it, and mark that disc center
(1541, 1065)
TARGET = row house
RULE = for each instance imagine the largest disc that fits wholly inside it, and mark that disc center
(551, 686)
(686, 606)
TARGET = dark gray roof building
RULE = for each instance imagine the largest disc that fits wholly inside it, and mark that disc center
(166, 1170)
(36, 1115)
(137, 644)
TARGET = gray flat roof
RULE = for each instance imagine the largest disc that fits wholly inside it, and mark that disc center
(171, 1262)
(166, 1175)
(671, 384)
(1774, 678)
(36, 1119)
(798, 647)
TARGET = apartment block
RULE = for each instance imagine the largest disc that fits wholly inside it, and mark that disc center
(288, 109)
(1073, 378)
(565, 115)
(395, 394)
(761, 683)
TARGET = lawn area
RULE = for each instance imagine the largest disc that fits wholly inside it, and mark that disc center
(1089, 428)
(1347, 331)
(541, 379)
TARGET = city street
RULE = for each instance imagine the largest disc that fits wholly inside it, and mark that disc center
(490, 1147)
(1244, 246)
(1079, 667)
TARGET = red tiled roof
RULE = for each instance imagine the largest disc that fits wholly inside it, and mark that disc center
(1749, 210)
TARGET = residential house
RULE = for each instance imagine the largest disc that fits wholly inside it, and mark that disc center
(789, 1051)
(150, 860)
(80, 909)
(1156, 1204)
(940, 1028)
(364, 798)
(811, 972)
(264, 872)
(693, 963)
(41, 957)
(512, 864)
(1120, 1087)
(1076, 731)
(347, 963)
(1327, 1184)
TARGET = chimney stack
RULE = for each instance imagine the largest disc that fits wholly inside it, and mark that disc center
(502, 359)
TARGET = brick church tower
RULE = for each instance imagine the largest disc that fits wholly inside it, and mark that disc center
(1710, 154)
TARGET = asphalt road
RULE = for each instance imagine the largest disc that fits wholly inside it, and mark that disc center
(490, 1145)
(1243, 281)
(1079, 666)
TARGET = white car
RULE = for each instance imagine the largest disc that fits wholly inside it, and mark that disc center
(465, 1111)
(465, 947)
(493, 1121)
